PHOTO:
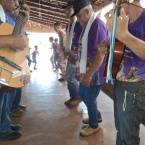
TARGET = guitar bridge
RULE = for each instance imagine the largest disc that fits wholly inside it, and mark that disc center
(5, 76)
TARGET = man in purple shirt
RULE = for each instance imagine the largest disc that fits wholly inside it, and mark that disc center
(73, 30)
(129, 88)
(91, 75)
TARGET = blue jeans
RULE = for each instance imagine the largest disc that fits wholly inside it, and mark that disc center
(128, 115)
(15, 99)
(72, 83)
(4, 112)
(89, 96)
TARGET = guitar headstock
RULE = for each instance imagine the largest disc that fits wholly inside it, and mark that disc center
(21, 3)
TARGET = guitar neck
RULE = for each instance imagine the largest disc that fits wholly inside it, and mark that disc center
(19, 24)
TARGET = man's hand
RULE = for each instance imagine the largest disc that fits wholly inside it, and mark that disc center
(27, 14)
(72, 53)
(122, 24)
(103, 47)
(86, 80)
(17, 42)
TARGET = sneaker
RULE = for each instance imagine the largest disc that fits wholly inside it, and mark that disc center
(11, 135)
(22, 107)
(88, 131)
(16, 113)
(68, 101)
(15, 127)
(75, 102)
(86, 120)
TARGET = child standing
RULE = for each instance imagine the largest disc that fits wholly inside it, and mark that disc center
(34, 56)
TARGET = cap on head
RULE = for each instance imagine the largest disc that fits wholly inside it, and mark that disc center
(69, 5)
(78, 5)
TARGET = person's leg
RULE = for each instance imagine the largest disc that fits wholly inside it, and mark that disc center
(35, 64)
(117, 90)
(12, 95)
(5, 119)
(72, 84)
(89, 96)
(29, 62)
(129, 112)
(17, 99)
(55, 61)
(15, 110)
(62, 66)
(52, 61)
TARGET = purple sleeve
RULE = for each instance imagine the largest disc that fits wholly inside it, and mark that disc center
(98, 33)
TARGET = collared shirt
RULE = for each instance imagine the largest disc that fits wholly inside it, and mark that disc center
(97, 33)
(132, 68)
(76, 35)
(2, 14)
(75, 42)
(55, 47)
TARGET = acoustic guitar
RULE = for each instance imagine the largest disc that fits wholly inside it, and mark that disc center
(118, 49)
(14, 69)
(117, 58)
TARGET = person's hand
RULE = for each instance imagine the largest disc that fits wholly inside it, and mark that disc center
(86, 80)
(27, 14)
(103, 47)
(17, 42)
(122, 24)
(72, 53)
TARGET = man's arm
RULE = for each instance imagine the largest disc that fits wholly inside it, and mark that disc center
(122, 34)
(15, 41)
(97, 62)
(135, 45)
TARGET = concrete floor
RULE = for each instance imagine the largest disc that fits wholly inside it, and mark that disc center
(48, 121)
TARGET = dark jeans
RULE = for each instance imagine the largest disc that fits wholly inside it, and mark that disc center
(15, 101)
(52, 61)
(89, 96)
(128, 115)
(34, 61)
(29, 61)
(4, 112)
(56, 61)
(72, 83)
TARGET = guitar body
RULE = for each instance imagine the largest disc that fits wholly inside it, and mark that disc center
(117, 58)
(11, 76)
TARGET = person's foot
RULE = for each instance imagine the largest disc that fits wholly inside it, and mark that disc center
(61, 79)
(88, 131)
(35, 68)
(15, 127)
(75, 102)
(31, 71)
(55, 70)
(22, 107)
(16, 113)
(68, 101)
(86, 120)
(11, 135)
